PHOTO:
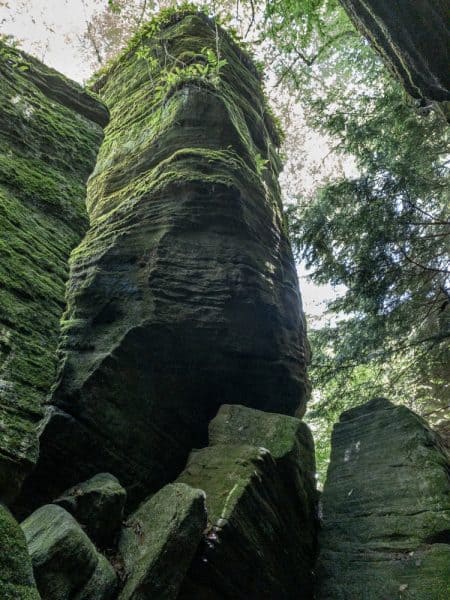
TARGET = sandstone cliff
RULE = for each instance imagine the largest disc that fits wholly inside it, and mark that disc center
(183, 294)
(50, 131)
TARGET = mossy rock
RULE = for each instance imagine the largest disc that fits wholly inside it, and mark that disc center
(261, 501)
(16, 573)
(66, 563)
(385, 508)
(49, 137)
(98, 505)
(159, 540)
(183, 294)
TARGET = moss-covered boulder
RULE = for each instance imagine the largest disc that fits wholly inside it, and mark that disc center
(66, 563)
(183, 295)
(385, 509)
(158, 542)
(16, 573)
(260, 539)
(50, 131)
(97, 504)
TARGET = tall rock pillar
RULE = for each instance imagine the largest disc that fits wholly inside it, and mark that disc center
(183, 295)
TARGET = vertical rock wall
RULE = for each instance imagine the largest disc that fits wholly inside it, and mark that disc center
(413, 37)
(50, 131)
(183, 295)
(385, 509)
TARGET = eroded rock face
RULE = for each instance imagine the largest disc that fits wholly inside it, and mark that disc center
(260, 499)
(66, 563)
(50, 131)
(16, 573)
(413, 38)
(386, 508)
(183, 295)
(159, 540)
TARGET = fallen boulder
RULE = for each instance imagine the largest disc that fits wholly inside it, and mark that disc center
(16, 573)
(159, 540)
(97, 504)
(261, 503)
(65, 562)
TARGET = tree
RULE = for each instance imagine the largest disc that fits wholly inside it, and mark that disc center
(383, 234)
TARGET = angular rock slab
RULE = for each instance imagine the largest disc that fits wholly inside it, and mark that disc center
(386, 508)
(50, 131)
(183, 294)
(159, 540)
(65, 561)
(260, 541)
(291, 445)
(16, 573)
(97, 504)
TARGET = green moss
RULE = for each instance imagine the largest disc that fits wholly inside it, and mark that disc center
(148, 88)
(47, 151)
(16, 574)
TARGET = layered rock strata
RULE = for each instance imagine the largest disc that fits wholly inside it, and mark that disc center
(50, 131)
(413, 38)
(183, 295)
(258, 478)
(385, 509)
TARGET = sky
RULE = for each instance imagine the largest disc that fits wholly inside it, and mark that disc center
(50, 30)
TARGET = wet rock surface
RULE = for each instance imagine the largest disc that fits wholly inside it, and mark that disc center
(65, 562)
(49, 136)
(183, 295)
(386, 508)
(159, 541)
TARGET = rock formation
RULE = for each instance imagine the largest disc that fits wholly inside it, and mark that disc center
(413, 38)
(16, 573)
(183, 328)
(258, 477)
(98, 505)
(66, 563)
(50, 130)
(183, 295)
(385, 509)
(159, 540)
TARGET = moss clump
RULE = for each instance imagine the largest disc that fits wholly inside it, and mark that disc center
(47, 151)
